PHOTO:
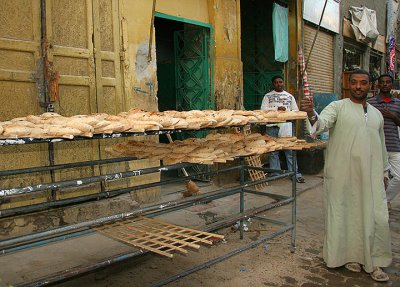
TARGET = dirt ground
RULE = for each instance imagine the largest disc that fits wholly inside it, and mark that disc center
(269, 264)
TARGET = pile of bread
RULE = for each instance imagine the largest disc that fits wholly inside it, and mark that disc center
(293, 143)
(212, 149)
(53, 125)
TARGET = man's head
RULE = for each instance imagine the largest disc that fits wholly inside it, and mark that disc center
(359, 84)
(385, 83)
(277, 83)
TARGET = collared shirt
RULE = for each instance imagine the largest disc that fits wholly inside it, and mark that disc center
(392, 140)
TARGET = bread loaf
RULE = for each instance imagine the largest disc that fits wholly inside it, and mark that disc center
(16, 131)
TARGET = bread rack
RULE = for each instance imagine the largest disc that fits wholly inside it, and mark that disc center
(10, 245)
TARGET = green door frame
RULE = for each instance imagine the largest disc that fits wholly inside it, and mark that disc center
(205, 25)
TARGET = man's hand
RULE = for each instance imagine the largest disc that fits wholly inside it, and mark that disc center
(389, 115)
(307, 105)
(281, 109)
(386, 182)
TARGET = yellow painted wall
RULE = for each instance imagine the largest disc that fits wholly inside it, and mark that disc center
(20, 81)
(136, 19)
(228, 87)
(224, 16)
(196, 10)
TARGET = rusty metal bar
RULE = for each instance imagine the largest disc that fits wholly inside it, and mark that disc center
(86, 180)
(65, 166)
(96, 196)
(81, 270)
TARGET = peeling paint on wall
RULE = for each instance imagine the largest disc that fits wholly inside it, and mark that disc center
(230, 24)
(228, 91)
(144, 68)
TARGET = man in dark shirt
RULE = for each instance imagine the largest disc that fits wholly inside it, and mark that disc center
(389, 106)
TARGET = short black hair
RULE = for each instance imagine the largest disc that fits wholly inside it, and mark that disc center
(360, 72)
(276, 77)
(385, 75)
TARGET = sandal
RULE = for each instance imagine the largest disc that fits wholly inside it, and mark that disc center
(300, 179)
(353, 267)
(379, 275)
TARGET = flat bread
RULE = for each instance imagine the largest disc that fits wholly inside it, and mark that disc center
(16, 131)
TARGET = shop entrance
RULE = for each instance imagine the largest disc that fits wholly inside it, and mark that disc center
(183, 65)
(183, 69)
(259, 65)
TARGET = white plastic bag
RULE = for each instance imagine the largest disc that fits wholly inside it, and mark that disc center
(285, 130)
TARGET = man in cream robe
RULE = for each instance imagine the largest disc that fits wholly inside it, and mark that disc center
(356, 219)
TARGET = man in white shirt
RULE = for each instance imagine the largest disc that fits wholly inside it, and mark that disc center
(278, 99)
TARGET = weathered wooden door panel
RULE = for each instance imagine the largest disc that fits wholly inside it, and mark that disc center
(19, 53)
(107, 56)
(19, 93)
(108, 73)
(84, 53)
(69, 26)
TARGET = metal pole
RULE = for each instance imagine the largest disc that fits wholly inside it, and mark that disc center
(241, 196)
(52, 176)
(64, 166)
(87, 180)
(293, 241)
(45, 242)
(101, 195)
(77, 271)
(315, 37)
(19, 141)
(294, 177)
(77, 226)
(74, 272)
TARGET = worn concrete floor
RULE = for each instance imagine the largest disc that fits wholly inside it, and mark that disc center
(269, 264)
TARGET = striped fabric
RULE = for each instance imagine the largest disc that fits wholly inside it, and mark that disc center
(303, 72)
(391, 131)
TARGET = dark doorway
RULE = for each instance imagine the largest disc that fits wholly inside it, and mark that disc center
(183, 72)
(183, 65)
(164, 33)
(259, 65)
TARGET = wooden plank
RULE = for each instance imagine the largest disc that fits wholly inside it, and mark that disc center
(148, 238)
(155, 235)
(184, 228)
(19, 45)
(134, 240)
(167, 237)
(180, 234)
(136, 244)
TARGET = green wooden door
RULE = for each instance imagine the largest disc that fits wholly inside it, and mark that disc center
(192, 69)
(192, 78)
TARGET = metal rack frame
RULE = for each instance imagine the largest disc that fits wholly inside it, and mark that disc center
(61, 233)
